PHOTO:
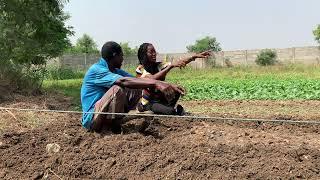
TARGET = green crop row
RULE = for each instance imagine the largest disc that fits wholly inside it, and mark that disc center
(272, 89)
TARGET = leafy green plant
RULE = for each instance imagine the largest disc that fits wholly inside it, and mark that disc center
(316, 34)
(127, 50)
(272, 89)
(204, 44)
(85, 44)
(59, 73)
(266, 57)
(272, 82)
(32, 32)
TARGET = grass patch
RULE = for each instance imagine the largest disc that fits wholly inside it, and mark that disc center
(70, 88)
(241, 72)
(58, 73)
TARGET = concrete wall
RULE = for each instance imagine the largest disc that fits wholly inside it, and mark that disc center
(303, 55)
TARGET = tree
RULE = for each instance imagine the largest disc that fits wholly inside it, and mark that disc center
(85, 44)
(266, 57)
(127, 50)
(316, 33)
(31, 32)
(204, 44)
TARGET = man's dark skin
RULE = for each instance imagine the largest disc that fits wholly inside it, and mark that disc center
(142, 83)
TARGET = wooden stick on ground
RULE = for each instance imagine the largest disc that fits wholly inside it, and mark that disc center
(55, 174)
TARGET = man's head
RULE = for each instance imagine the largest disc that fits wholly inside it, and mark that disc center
(112, 53)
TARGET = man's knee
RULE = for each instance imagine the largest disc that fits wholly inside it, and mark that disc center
(118, 92)
(115, 89)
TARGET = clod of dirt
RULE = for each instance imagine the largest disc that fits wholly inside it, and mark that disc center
(2, 174)
(37, 175)
(136, 125)
(52, 148)
(3, 145)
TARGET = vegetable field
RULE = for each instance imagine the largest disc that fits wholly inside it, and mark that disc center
(259, 83)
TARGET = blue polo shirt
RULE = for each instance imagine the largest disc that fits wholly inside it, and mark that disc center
(97, 81)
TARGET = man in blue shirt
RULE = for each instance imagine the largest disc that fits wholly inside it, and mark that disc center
(107, 88)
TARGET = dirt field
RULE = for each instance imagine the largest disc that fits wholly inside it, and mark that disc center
(166, 148)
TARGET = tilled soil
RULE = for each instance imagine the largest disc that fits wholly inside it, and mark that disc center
(280, 109)
(168, 148)
(163, 148)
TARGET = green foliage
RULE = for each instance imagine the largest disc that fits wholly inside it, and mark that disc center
(273, 82)
(266, 57)
(59, 73)
(31, 32)
(254, 89)
(270, 82)
(85, 44)
(18, 78)
(69, 87)
(204, 44)
(316, 34)
(127, 50)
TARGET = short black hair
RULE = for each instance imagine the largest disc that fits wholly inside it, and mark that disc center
(110, 49)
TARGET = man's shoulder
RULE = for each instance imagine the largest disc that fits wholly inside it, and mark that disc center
(98, 68)
(94, 71)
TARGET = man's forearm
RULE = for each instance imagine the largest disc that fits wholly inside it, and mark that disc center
(136, 83)
(142, 83)
(160, 75)
(189, 59)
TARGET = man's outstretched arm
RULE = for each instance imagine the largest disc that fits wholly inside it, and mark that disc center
(142, 83)
(181, 63)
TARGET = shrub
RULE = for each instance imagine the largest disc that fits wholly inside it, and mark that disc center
(61, 73)
(227, 62)
(20, 78)
(266, 57)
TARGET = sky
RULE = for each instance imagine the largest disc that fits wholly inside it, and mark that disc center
(171, 25)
